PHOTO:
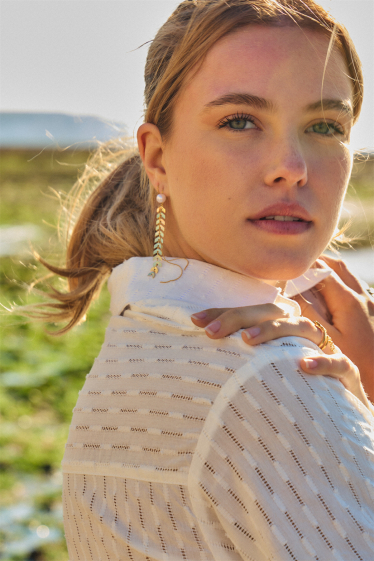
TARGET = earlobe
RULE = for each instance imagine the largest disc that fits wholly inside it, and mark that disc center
(151, 149)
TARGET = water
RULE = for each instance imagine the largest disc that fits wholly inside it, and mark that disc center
(26, 526)
(15, 240)
(360, 262)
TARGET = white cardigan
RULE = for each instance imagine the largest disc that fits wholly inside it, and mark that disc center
(185, 448)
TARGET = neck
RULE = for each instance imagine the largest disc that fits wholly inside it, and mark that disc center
(179, 253)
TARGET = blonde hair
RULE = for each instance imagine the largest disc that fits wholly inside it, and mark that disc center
(114, 221)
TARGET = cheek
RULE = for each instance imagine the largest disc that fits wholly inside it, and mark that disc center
(332, 176)
(215, 169)
(335, 174)
(201, 176)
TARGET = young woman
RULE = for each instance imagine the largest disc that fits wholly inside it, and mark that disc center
(184, 447)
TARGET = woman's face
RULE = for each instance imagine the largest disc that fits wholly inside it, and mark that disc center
(255, 168)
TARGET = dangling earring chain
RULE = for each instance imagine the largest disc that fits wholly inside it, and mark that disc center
(159, 235)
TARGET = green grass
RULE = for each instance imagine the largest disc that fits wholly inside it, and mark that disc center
(362, 180)
(41, 375)
(360, 202)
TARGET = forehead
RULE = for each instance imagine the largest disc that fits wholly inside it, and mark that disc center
(268, 61)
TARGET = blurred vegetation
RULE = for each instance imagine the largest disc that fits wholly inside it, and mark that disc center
(40, 374)
(359, 202)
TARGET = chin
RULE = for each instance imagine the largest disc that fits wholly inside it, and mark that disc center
(275, 264)
(278, 269)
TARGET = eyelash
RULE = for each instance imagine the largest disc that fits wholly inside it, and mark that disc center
(245, 117)
(237, 117)
(337, 129)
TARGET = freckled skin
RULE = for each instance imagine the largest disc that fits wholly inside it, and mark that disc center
(215, 179)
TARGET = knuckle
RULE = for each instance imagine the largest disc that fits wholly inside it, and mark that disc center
(307, 323)
(235, 318)
(344, 364)
(217, 311)
(348, 365)
(305, 326)
(241, 312)
(330, 363)
(272, 325)
(341, 264)
(239, 315)
(211, 312)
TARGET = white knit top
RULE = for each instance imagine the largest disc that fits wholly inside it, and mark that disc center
(186, 448)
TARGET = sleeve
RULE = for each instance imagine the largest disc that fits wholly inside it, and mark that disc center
(284, 467)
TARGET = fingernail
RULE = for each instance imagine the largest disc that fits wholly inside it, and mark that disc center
(213, 327)
(199, 315)
(310, 363)
(252, 332)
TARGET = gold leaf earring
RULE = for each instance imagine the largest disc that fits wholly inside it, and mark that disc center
(159, 235)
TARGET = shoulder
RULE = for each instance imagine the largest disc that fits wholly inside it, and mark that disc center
(280, 451)
(270, 404)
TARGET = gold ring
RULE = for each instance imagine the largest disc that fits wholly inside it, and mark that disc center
(326, 339)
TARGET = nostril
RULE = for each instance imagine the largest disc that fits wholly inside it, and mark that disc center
(278, 179)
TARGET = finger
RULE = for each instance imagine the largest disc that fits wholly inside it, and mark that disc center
(274, 329)
(231, 320)
(341, 269)
(308, 311)
(204, 317)
(312, 301)
(336, 366)
(320, 263)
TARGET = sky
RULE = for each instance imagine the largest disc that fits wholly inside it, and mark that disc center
(82, 57)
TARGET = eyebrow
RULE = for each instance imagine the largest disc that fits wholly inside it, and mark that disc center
(326, 104)
(241, 99)
(262, 103)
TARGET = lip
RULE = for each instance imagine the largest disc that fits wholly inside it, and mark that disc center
(276, 227)
(281, 228)
(283, 209)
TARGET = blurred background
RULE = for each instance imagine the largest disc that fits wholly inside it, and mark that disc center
(72, 78)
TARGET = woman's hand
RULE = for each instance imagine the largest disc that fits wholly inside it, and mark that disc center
(267, 322)
(350, 321)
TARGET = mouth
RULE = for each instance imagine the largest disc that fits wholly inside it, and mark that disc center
(283, 218)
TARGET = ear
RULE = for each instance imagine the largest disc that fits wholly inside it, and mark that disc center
(151, 149)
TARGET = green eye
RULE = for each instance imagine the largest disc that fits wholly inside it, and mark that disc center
(237, 122)
(326, 129)
(240, 124)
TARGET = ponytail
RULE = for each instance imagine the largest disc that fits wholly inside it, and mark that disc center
(115, 223)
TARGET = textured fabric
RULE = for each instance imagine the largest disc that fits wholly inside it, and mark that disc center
(182, 447)
(201, 285)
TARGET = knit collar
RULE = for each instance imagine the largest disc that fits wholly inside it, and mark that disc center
(201, 286)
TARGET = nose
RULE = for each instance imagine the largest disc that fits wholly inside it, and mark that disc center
(287, 167)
